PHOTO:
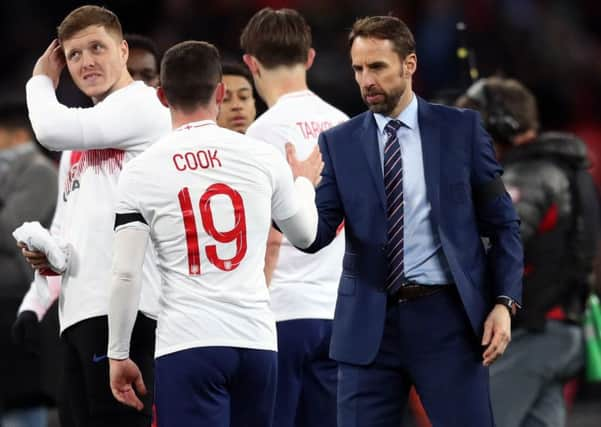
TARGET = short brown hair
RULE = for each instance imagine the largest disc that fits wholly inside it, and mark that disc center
(86, 16)
(511, 96)
(385, 28)
(190, 73)
(277, 37)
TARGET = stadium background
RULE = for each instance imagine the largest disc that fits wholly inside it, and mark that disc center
(553, 46)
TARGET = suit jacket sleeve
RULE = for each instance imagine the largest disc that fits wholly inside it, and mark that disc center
(327, 199)
(497, 219)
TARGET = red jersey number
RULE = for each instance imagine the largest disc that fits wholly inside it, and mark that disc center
(236, 234)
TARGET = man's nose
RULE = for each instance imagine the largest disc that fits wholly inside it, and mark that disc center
(366, 79)
(87, 59)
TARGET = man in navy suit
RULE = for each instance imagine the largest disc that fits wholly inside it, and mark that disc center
(433, 256)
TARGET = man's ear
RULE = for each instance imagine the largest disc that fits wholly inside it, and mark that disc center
(162, 97)
(220, 93)
(409, 65)
(252, 63)
(124, 49)
(310, 58)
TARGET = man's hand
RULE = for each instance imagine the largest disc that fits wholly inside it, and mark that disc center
(51, 63)
(36, 259)
(497, 334)
(26, 332)
(125, 376)
(310, 168)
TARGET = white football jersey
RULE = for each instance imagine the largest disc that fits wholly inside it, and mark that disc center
(109, 134)
(303, 286)
(208, 196)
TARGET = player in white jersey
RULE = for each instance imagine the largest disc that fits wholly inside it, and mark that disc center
(303, 287)
(206, 196)
(125, 120)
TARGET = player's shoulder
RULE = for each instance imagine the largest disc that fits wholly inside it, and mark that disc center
(142, 162)
(324, 107)
(258, 147)
(139, 96)
(266, 120)
(271, 127)
(349, 126)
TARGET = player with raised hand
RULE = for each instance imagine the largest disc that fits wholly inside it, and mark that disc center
(125, 120)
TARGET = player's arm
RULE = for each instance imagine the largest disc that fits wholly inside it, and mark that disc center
(274, 137)
(57, 127)
(293, 203)
(330, 213)
(129, 249)
(272, 253)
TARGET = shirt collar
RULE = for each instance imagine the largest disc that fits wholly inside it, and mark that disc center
(408, 116)
(297, 94)
(197, 124)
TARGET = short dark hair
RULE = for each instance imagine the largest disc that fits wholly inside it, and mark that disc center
(190, 72)
(236, 69)
(385, 28)
(277, 37)
(138, 41)
(13, 115)
(86, 16)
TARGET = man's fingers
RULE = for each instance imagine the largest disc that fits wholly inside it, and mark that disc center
(290, 153)
(140, 386)
(51, 47)
(315, 155)
(487, 333)
(496, 348)
(127, 396)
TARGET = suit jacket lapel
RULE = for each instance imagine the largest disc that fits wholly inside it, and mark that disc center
(367, 134)
(431, 148)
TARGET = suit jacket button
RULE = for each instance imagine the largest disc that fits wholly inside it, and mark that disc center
(383, 248)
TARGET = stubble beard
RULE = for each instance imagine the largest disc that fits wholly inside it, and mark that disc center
(387, 106)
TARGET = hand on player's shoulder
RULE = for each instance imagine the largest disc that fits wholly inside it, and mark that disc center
(309, 168)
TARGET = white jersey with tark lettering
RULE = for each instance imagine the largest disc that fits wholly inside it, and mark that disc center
(303, 286)
(208, 196)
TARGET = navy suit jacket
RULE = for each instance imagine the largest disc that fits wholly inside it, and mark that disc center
(460, 168)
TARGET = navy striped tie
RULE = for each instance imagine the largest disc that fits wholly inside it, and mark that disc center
(393, 185)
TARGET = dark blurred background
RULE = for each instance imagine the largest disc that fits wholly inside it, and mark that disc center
(553, 46)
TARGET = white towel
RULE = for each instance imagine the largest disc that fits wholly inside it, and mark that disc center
(37, 238)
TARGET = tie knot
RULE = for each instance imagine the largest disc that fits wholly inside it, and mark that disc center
(392, 126)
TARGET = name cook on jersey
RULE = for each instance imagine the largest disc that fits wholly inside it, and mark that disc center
(199, 160)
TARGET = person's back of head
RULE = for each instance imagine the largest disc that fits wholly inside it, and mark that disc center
(15, 127)
(277, 38)
(144, 59)
(509, 110)
(190, 74)
(278, 53)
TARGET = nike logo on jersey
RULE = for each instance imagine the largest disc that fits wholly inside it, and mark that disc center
(97, 359)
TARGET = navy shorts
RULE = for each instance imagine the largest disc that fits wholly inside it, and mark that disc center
(307, 377)
(216, 387)
(87, 400)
